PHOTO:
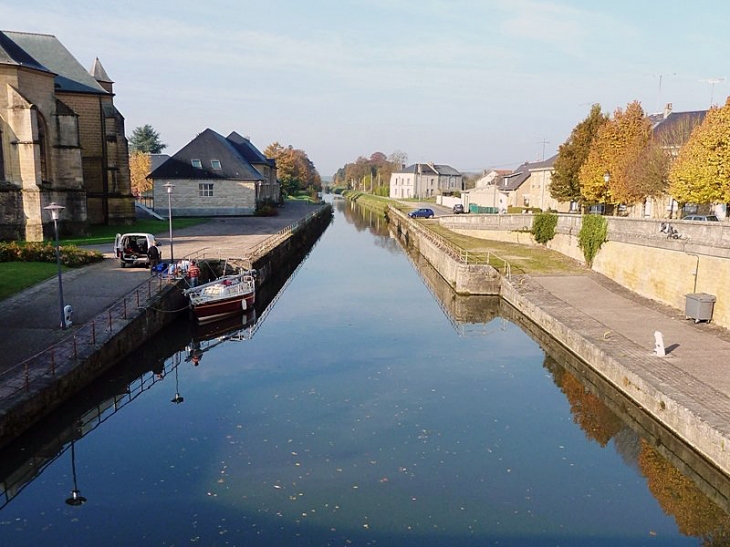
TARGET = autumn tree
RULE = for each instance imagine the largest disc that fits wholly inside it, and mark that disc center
(146, 139)
(572, 154)
(139, 168)
(371, 174)
(701, 172)
(295, 170)
(618, 143)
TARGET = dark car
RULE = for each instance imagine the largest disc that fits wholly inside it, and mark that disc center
(421, 213)
(703, 218)
(458, 209)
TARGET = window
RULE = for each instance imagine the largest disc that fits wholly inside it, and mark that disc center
(215, 164)
(197, 163)
(205, 190)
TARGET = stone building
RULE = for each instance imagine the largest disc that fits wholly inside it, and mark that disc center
(215, 175)
(61, 140)
(424, 180)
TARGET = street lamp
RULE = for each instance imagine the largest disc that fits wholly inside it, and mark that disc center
(76, 499)
(55, 210)
(169, 186)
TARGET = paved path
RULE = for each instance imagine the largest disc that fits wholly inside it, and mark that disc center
(31, 319)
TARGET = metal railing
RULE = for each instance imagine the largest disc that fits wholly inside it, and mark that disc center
(84, 340)
(455, 251)
(80, 344)
(274, 240)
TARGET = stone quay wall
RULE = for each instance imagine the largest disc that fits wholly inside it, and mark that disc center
(278, 254)
(464, 275)
(637, 255)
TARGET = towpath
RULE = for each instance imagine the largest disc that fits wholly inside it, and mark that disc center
(31, 319)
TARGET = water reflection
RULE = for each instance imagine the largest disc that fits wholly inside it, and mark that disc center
(184, 341)
(318, 432)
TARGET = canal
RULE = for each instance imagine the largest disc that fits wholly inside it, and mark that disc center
(362, 404)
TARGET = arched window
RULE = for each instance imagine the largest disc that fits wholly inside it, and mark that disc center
(42, 144)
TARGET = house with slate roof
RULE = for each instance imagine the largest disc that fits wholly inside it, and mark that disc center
(526, 186)
(672, 130)
(61, 140)
(424, 180)
(215, 175)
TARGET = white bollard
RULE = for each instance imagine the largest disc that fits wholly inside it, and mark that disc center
(659, 344)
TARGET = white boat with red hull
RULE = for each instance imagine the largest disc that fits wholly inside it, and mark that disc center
(227, 295)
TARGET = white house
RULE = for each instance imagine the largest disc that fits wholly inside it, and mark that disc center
(424, 180)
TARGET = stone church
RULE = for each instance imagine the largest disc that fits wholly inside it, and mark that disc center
(61, 140)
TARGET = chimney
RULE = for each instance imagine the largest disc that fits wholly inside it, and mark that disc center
(667, 110)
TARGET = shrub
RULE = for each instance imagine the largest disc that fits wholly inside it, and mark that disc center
(592, 235)
(543, 227)
(44, 251)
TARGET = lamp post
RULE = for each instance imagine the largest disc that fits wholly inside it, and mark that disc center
(55, 210)
(76, 499)
(169, 186)
(177, 399)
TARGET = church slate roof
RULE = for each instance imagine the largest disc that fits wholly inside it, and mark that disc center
(208, 146)
(12, 54)
(49, 55)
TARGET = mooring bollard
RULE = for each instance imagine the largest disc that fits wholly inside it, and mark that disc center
(659, 344)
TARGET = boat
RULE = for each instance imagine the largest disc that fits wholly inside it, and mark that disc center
(225, 296)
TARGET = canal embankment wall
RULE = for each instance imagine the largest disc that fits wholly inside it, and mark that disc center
(53, 376)
(667, 389)
(466, 277)
(637, 254)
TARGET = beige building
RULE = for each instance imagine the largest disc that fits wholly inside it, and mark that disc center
(215, 175)
(61, 140)
(424, 180)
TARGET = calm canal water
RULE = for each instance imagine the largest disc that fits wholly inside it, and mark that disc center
(367, 405)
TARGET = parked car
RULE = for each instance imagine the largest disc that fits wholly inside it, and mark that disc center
(703, 218)
(131, 249)
(458, 208)
(421, 213)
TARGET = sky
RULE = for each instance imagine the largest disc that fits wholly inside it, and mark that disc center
(475, 84)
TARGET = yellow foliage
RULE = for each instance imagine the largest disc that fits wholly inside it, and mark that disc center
(139, 168)
(701, 173)
(617, 145)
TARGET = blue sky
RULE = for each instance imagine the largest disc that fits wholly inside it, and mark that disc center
(475, 84)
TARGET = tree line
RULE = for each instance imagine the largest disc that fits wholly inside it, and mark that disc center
(370, 174)
(626, 159)
(295, 171)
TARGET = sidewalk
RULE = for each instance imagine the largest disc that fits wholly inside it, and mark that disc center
(31, 319)
(612, 329)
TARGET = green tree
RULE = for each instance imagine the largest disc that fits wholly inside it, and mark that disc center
(145, 139)
(572, 154)
(701, 173)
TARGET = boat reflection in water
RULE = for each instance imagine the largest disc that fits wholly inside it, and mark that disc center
(206, 336)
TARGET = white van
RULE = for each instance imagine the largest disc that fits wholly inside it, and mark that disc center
(132, 248)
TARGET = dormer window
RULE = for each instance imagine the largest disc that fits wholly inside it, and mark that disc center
(216, 165)
(196, 163)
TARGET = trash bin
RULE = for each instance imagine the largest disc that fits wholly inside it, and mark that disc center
(699, 306)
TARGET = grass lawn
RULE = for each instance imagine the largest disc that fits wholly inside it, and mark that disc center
(18, 276)
(105, 234)
(523, 259)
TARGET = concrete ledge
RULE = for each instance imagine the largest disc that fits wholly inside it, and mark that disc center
(665, 392)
